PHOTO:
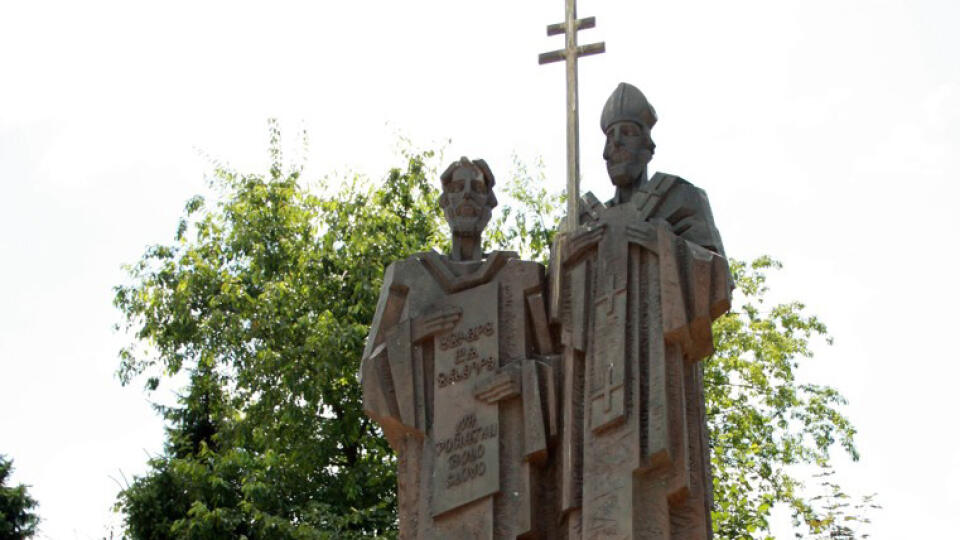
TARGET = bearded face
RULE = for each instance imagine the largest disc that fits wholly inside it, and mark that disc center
(628, 150)
(465, 201)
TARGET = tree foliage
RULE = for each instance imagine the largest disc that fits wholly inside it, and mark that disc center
(528, 221)
(17, 516)
(263, 302)
(765, 425)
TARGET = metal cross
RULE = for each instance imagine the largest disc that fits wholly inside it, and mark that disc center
(571, 52)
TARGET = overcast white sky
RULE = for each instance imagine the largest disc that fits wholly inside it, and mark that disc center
(825, 132)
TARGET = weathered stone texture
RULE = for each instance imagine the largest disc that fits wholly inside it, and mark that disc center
(522, 406)
(459, 372)
(640, 282)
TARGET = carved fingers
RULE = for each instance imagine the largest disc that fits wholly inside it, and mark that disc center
(431, 324)
(580, 242)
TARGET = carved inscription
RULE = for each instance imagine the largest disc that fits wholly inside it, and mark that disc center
(454, 339)
(466, 430)
(464, 451)
(468, 364)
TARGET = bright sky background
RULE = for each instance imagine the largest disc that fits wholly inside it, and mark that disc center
(825, 132)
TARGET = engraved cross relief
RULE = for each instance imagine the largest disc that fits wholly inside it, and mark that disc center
(607, 400)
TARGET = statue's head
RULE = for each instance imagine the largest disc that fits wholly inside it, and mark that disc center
(467, 199)
(627, 120)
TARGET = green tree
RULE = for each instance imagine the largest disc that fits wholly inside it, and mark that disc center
(765, 425)
(17, 516)
(264, 301)
(528, 221)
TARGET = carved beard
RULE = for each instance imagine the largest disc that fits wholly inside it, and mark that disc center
(624, 166)
(467, 219)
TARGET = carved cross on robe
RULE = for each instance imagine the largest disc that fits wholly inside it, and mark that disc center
(607, 398)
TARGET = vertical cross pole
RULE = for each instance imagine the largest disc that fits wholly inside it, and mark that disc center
(570, 53)
(573, 118)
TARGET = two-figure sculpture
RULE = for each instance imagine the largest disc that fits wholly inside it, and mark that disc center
(526, 403)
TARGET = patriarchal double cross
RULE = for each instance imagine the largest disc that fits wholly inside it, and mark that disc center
(571, 52)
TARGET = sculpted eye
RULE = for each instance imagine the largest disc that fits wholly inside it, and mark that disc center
(478, 186)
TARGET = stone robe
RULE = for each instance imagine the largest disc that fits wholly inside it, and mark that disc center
(470, 412)
(637, 287)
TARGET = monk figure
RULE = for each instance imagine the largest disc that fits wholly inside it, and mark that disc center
(459, 373)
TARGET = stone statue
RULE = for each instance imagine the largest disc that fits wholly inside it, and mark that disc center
(640, 281)
(459, 373)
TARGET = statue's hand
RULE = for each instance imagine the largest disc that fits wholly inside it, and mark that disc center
(580, 242)
(436, 322)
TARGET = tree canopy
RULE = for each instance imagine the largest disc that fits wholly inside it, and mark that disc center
(263, 302)
(18, 518)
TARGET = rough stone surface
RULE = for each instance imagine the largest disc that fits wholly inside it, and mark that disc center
(460, 374)
(639, 284)
(568, 406)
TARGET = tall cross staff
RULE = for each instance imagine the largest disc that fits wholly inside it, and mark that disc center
(571, 52)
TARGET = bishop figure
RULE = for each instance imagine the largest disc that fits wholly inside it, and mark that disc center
(639, 282)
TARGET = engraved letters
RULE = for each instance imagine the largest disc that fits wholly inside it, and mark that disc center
(468, 362)
(466, 431)
(456, 338)
(464, 451)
